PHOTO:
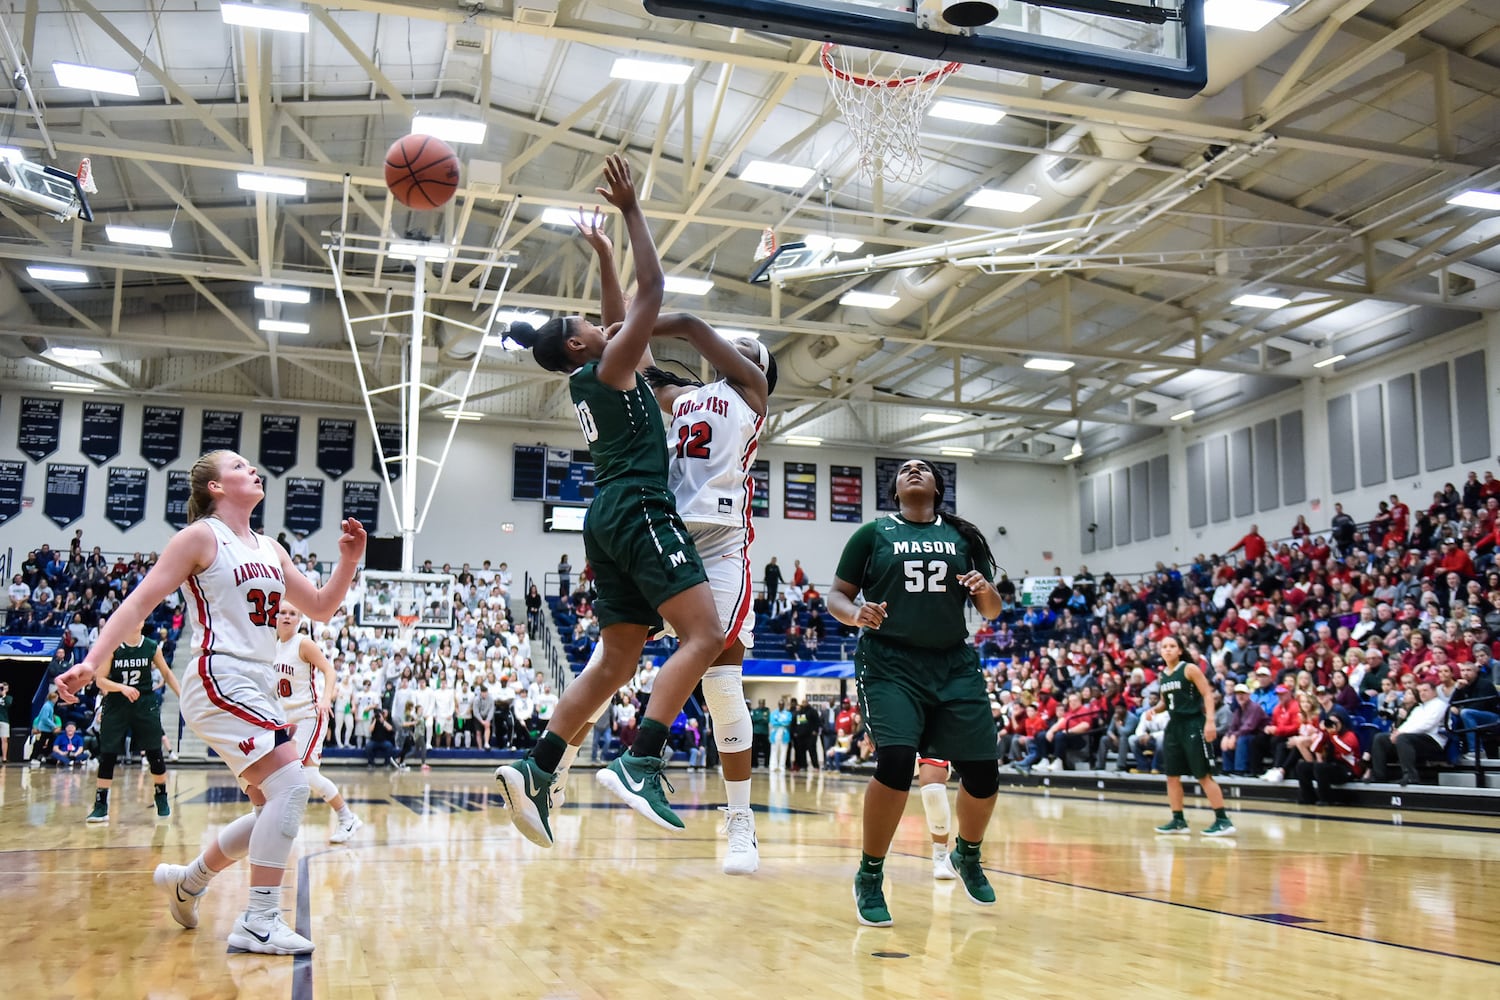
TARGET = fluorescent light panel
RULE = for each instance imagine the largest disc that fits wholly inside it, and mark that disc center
(296, 296)
(470, 415)
(1072, 456)
(11, 154)
(271, 184)
(1487, 200)
(782, 175)
(1048, 364)
(136, 236)
(426, 251)
(1329, 361)
(72, 387)
(75, 354)
(246, 15)
(731, 333)
(832, 244)
(461, 130)
(509, 316)
(972, 112)
(283, 326)
(957, 452)
(101, 81)
(943, 418)
(869, 300)
(1002, 201)
(71, 275)
(688, 286)
(804, 442)
(651, 71)
(1256, 301)
(559, 217)
(1241, 15)
(1182, 414)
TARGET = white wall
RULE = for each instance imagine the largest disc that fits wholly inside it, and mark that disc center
(1311, 400)
(1033, 502)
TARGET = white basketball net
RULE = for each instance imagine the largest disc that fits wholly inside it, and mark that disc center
(883, 97)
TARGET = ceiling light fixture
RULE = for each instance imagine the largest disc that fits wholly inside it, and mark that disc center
(246, 15)
(562, 218)
(943, 418)
(1002, 201)
(1048, 364)
(296, 296)
(651, 71)
(461, 130)
(783, 175)
(1182, 414)
(1074, 453)
(76, 355)
(1327, 362)
(470, 415)
(869, 300)
(271, 184)
(804, 442)
(70, 275)
(100, 81)
(1487, 200)
(1241, 15)
(957, 452)
(731, 333)
(72, 387)
(688, 286)
(1257, 301)
(283, 326)
(11, 154)
(136, 236)
(509, 316)
(412, 251)
(972, 112)
(833, 244)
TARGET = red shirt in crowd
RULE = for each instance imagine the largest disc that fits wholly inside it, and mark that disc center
(1286, 718)
(1253, 544)
(1341, 746)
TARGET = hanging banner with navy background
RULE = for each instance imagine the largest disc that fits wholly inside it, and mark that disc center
(799, 488)
(12, 485)
(760, 479)
(125, 497)
(846, 493)
(362, 502)
(390, 440)
(221, 431)
(304, 505)
(100, 440)
(278, 442)
(65, 489)
(161, 435)
(40, 427)
(335, 446)
(178, 491)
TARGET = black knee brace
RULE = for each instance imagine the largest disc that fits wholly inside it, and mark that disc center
(894, 767)
(980, 778)
(157, 762)
(107, 762)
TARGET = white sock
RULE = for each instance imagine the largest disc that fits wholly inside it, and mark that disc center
(198, 876)
(738, 792)
(569, 755)
(345, 814)
(265, 900)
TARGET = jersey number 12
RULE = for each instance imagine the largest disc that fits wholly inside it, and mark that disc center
(692, 441)
(930, 581)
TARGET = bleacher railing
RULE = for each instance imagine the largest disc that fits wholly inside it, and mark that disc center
(544, 631)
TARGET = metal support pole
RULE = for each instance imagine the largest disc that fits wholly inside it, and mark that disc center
(409, 433)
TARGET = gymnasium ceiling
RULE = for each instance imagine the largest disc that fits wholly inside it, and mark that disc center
(1319, 169)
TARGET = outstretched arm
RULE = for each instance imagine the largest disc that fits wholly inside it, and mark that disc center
(625, 347)
(748, 380)
(611, 296)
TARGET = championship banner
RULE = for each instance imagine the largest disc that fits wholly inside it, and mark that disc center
(125, 497)
(161, 435)
(99, 439)
(39, 428)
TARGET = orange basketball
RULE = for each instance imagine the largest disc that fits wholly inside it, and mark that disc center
(421, 171)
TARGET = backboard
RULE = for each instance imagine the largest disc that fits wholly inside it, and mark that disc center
(390, 597)
(1153, 46)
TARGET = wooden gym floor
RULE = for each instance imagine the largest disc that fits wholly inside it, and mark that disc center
(438, 897)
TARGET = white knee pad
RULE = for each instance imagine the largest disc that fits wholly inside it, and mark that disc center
(320, 785)
(234, 839)
(724, 690)
(286, 793)
(935, 803)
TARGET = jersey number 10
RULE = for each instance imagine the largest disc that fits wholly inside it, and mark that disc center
(930, 581)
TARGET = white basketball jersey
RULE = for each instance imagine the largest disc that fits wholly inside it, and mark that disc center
(233, 603)
(713, 438)
(296, 681)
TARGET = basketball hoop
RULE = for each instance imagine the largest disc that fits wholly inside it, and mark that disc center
(405, 623)
(883, 96)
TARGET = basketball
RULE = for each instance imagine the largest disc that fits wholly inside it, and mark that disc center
(421, 171)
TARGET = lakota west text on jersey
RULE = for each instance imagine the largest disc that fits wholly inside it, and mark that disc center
(256, 571)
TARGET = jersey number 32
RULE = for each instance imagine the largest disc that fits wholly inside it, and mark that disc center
(263, 607)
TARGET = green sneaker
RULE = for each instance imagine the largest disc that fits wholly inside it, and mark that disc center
(637, 782)
(163, 806)
(869, 900)
(526, 790)
(1220, 828)
(1174, 826)
(976, 884)
(100, 813)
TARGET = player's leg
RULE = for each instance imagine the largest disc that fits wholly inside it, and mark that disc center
(962, 728)
(932, 785)
(148, 732)
(111, 744)
(1200, 762)
(308, 738)
(1174, 764)
(283, 783)
(724, 691)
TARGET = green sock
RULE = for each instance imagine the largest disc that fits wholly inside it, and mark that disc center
(1221, 814)
(651, 738)
(966, 847)
(871, 865)
(1177, 816)
(548, 751)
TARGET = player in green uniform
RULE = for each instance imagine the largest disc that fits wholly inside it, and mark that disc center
(646, 567)
(131, 706)
(920, 686)
(1185, 742)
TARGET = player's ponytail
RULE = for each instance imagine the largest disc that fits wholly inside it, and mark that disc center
(548, 345)
(660, 378)
(205, 471)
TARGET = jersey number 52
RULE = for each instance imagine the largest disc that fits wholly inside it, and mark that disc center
(930, 579)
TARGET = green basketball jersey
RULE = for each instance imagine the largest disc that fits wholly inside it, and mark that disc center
(1183, 698)
(914, 569)
(132, 667)
(624, 429)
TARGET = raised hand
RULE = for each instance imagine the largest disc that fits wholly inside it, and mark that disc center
(352, 541)
(592, 231)
(620, 188)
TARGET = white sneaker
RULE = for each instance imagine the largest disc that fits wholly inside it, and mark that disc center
(268, 935)
(743, 856)
(1466, 759)
(1047, 765)
(1275, 775)
(942, 865)
(182, 904)
(346, 830)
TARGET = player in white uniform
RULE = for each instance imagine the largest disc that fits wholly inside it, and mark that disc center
(235, 579)
(305, 682)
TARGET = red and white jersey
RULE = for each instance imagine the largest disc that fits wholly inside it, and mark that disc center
(233, 603)
(298, 683)
(713, 438)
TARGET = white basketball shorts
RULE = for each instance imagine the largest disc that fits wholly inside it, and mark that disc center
(232, 706)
